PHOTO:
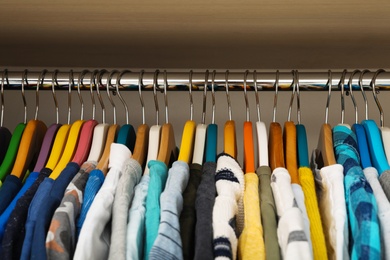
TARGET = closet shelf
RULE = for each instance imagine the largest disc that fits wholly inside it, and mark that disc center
(180, 79)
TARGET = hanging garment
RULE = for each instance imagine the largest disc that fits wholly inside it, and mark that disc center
(268, 214)
(331, 200)
(384, 180)
(123, 198)
(15, 229)
(168, 241)
(188, 214)
(360, 200)
(229, 182)
(10, 188)
(94, 239)
(291, 235)
(250, 242)
(136, 223)
(204, 204)
(61, 238)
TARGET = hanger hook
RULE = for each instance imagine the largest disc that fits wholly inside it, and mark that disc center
(293, 85)
(24, 79)
(298, 96)
(206, 81)
(341, 87)
(155, 86)
(374, 93)
(54, 82)
(246, 96)
(363, 92)
(40, 81)
(99, 83)
(227, 94)
(213, 96)
(276, 86)
(3, 78)
(329, 86)
(92, 84)
(108, 85)
(79, 82)
(118, 79)
(166, 97)
(140, 84)
(256, 95)
(190, 93)
(350, 88)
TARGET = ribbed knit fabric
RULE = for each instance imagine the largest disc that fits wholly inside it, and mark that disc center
(251, 243)
(384, 180)
(228, 180)
(317, 234)
(168, 242)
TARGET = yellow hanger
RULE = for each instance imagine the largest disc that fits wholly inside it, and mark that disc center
(187, 140)
(230, 142)
(168, 151)
(249, 148)
(276, 154)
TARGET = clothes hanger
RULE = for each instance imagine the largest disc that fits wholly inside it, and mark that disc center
(5, 134)
(326, 155)
(201, 129)
(112, 131)
(357, 128)
(303, 151)
(100, 130)
(168, 151)
(50, 135)
(212, 129)
(249, 148)
(341, 86)
(10, 155)
(74, 132)
(31, 141)
(126, 134)
(142, 137)
(261, 130)
(187, 139)
(155, 130)
(229, 140)
(275, 145)
(374, 139)
(62, 133)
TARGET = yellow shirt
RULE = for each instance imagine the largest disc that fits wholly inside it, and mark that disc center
(316, 232)
(251, 243)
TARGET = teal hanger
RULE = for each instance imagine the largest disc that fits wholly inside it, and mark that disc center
(212, 129)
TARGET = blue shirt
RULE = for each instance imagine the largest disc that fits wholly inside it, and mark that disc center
(95, 181)
(4, 217)
(361, 204)
(8, 191)
(47, 208)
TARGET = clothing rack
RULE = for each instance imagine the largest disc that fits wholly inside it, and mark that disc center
(180, 79)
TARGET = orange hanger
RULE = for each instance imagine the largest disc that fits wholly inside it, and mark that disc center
(276, 153)
(230, 142)
(168, 151)
(249, 148)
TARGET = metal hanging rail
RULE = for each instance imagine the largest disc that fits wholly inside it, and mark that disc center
(179, 79)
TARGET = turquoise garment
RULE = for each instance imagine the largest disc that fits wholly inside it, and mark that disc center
(361, 204)
(158, 177)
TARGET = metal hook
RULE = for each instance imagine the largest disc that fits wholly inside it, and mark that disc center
(227, 94)
(80, 81)
(24, 78)
(108, 84)
(206, 81)
(256, 95)
(166, 97)
(4, 76)
(213, 97)
(298, 96)
(91, 85)
(374, 93)
(341, 85)
(119, 77)
(140, 84)
(246, 96)
(190, 93)
(293, 85)
(352, 96)
(329, 85)
(40, 81)
(276, 86)
(155, 86)
(99, 83)
(53, 82)
(363, 92)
